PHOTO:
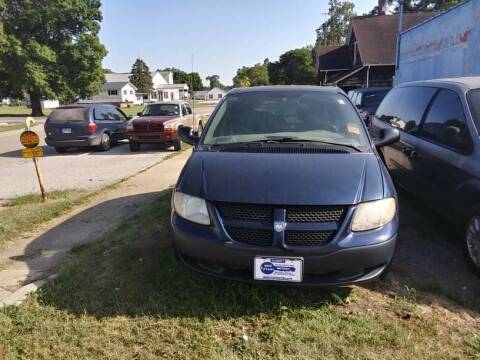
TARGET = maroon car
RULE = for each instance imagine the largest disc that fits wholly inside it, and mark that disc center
(158, 124)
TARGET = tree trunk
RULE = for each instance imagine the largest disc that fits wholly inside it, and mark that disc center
(35, 101)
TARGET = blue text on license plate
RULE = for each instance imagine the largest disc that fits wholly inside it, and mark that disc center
(288, 269)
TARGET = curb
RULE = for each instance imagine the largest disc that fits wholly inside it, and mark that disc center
(21, 294)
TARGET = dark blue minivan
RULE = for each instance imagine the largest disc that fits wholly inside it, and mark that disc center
(284, 185)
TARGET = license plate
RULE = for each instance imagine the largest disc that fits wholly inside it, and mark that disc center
(66, 131)
(278, 269)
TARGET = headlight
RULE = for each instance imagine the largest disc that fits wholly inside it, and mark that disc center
(130, 126)
(191, 208)
(373, 214)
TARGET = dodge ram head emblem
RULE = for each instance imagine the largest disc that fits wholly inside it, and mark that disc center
(279, 226)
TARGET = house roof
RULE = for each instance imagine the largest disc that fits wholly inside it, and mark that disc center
(172, 86)
(115, 85)
(376, 36)
(118, 77)
(333, 57)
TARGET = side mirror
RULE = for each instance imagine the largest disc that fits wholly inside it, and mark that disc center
(139, 113)
(386, 136)
(129, 117)
(186, 134)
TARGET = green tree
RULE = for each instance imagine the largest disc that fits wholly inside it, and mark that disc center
(335, 29)
(214, 81)
(295, 67)
(141, 77)
(255, 75)
(195, 81)
(51, 49)
(425, 5)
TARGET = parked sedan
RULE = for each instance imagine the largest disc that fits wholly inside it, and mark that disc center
(85, 125)
(438, 156)
(367, 100)
(285, 185)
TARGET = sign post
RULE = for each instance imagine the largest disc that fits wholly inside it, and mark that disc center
(30, 140)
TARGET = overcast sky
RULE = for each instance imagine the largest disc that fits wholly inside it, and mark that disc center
(223, 35)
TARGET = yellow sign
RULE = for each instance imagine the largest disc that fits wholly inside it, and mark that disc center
(29, 139)
(32, 153)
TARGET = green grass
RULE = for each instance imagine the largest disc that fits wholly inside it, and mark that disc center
(125, 296)
(22, 214)
(19, 111)
(133, 110)
(11, 127)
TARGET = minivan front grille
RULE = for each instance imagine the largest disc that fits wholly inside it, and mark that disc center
(315, 214)
(252, 224)
(256, 237)
(308, 238)
(246, 212)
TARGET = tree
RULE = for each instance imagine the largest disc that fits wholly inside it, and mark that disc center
(51, 49)
(195, 81)
(295, 67)
(107, 71)
(141, 77)
(335, 29)
(424, 5)
(255, 75)
(215, 81)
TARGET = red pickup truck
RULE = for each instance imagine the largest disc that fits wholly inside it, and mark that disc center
(158, 124)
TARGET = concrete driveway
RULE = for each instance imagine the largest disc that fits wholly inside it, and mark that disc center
(79, 168)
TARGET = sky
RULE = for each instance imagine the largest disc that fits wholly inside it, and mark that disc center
(222, 35)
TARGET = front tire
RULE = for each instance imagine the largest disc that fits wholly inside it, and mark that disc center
(472, 242)
(177, 145)
(134, 146)
(105, 142)
(61, 149)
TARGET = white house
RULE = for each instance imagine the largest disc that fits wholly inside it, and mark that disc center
(119, 90)
(214, 94)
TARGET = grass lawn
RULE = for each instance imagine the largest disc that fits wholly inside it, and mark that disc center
(6, 111)
(25, 213)
(125, 296)
(10, 127)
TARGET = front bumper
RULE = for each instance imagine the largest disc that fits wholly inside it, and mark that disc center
(150, 137)
(348, 259)
(87, 141)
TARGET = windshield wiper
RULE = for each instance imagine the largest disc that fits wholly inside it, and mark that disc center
(295, 139)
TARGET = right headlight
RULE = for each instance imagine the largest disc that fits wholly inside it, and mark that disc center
(374, 214)
(191, 208)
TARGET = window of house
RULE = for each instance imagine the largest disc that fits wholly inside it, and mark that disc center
(446, 112)
(131, 92)
(125, 92)
(220, 96)
(112, 92)
(404, 107)
(210, 96)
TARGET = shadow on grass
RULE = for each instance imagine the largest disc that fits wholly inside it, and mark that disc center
(132, 272)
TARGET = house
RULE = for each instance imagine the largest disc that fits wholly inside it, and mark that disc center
(119, 90)
(368, 57)
(214, 94)
(445, 46)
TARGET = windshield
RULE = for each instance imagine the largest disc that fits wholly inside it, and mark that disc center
(474, 103)
(161, 110)
(297, 115)
(64, 115)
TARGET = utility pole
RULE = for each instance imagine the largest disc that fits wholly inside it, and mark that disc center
(400, 29)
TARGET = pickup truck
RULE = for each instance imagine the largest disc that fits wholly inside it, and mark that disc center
(158, 124)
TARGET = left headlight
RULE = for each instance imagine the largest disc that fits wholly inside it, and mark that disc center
(191, 208)
(373, 214)
(130, 126)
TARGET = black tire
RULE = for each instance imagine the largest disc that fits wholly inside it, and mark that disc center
(61, 149)
(105, 142)
(134, 146)
(471, 242)
(177, 145)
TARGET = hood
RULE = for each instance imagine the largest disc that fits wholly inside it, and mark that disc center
(153, 119)
(284, 179)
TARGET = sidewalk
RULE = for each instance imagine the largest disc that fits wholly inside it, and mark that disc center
(30, 262)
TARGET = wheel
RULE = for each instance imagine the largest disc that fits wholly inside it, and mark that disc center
(177, 145)
(61, 149)
(472, 242)
(105, 143)
(134, 146)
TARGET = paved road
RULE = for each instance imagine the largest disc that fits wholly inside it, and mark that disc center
(79, 168)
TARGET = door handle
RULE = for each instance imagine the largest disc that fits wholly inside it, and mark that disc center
(413, 155)
(406, 150)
